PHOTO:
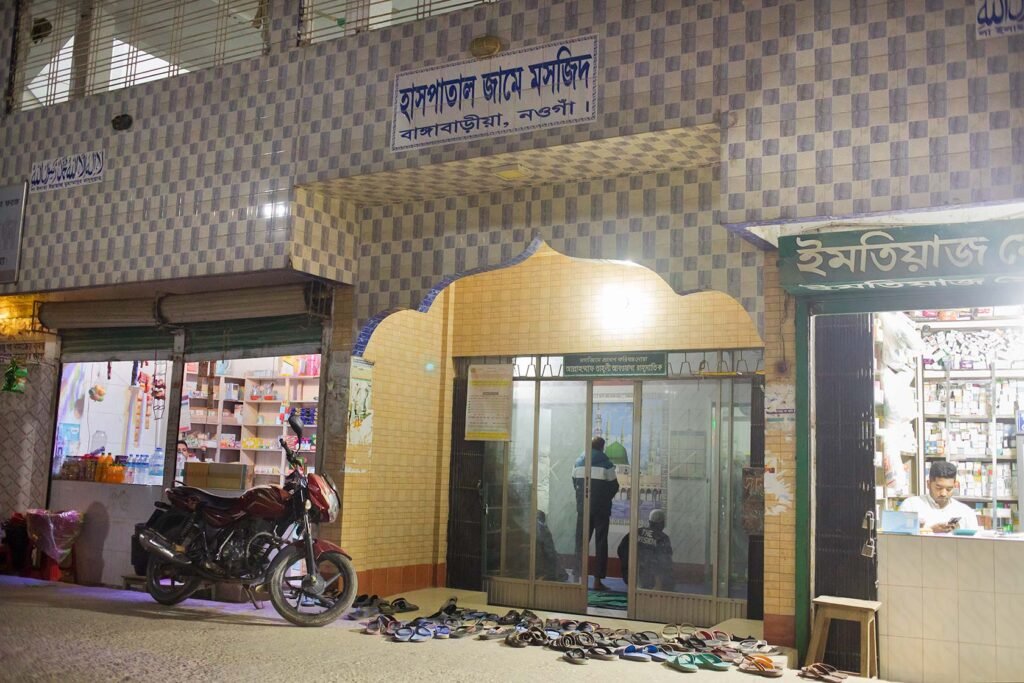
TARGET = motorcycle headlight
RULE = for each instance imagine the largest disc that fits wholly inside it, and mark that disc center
(333, 501)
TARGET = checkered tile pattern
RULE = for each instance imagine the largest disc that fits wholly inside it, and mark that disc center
(326, 235)
(829, 109)
(665, 221)
(25, 439)
(660, 151)
(864, 107)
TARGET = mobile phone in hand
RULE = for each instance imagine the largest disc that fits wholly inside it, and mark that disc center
(955, 521)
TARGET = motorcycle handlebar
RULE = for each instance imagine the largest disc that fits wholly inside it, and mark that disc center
(290, 454)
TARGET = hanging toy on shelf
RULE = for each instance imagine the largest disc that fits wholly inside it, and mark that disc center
(159, 390)
(15, 378)
(97, 392)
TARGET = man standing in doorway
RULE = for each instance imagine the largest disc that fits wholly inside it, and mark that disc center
(604, 484)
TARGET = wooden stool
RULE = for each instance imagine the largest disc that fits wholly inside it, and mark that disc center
(827, 608)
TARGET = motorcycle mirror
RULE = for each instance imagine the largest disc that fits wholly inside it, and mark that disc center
(294, 423)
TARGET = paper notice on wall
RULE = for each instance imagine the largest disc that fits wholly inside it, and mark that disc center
(360, 403)
(779, 407)
(489, 403)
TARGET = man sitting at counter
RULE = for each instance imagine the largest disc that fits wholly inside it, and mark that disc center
(937, 510)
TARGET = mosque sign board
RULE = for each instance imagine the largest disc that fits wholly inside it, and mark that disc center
(513, 92)
(930, 258)
(629, 364)
(994, 18)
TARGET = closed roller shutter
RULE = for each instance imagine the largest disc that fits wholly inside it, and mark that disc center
(255, 338)
(137, 343)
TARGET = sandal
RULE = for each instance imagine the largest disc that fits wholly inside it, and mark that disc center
(511, 617)
(517, 639)
(601, 652)
(495, 633)
(633, 654)
(575, 656)
(762, 665)
(709, 661)
(670, 632)
(423, 633)
(757, 647)
(403, 605)
(684, 662)
(463, 631)
(820, 671)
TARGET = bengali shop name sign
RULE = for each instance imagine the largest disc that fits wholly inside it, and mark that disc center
(73, 170)
(535, 87)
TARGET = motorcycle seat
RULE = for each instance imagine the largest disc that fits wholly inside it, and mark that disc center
(208, 499)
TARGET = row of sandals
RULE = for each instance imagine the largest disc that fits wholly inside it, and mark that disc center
(683, 647)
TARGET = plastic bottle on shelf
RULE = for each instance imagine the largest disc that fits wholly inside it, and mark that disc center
(156, 467)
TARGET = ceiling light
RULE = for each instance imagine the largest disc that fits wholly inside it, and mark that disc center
(513, 172)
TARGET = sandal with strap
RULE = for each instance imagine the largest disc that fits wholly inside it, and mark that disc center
(464, 630)
(761, 665)
(517, 639)
(575, 656)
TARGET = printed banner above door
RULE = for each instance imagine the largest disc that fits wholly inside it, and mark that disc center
(534, 87)
(920, 257)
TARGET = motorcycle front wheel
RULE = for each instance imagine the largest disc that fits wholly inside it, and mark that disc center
(301, 606)
(166, 583)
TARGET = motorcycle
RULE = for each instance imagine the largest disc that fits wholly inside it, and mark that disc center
(263, 537)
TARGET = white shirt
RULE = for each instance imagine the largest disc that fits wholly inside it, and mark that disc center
(929, 513)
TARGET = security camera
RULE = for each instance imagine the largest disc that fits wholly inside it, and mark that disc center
(122, 122)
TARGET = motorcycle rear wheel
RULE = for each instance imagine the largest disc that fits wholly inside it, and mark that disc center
(165, 584)
(307, 609)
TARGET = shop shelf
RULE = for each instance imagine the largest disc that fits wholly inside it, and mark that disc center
(957, 418)
(278, 400)
(257, 424)
(986, 499)
(232, 400)
(261, 450)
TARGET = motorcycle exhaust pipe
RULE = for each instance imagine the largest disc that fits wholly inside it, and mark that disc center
(153, 542)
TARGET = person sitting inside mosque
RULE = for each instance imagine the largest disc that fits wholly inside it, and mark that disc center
(937, 510)
(654, 548)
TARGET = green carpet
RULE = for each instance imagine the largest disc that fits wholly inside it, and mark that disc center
(607, 599)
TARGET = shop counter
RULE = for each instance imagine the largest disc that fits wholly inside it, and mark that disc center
(952, 607)
(103, 551)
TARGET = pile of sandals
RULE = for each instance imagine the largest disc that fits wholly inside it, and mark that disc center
(683, 647)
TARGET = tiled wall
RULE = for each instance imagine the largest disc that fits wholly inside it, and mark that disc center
(780, 464)
(856, 107)
(26, 430)
(552, 303)
(325, 234)
(664, 221)
(830, 108)
(396, 489)
(952, 609)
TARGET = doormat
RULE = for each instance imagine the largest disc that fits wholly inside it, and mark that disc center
(607, 599)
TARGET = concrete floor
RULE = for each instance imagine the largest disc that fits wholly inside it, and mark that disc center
(61, 632)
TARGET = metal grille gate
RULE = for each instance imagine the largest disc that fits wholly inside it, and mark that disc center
(844, 471)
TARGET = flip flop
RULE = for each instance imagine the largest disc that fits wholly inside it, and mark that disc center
(670, 632)
(403, 605)
(684, 662)
(601, 652)
(423, 633)
(575, 656)
(442, 632)
(757, 647)
(712, 662)
(404, 634)
(361, 600)
(820, 671)
(463, 631)
(761, 665)
(517, 639)
(633, 654)
(495, 633)
(658, 653)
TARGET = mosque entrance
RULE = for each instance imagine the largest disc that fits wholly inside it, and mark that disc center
(656, 469)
